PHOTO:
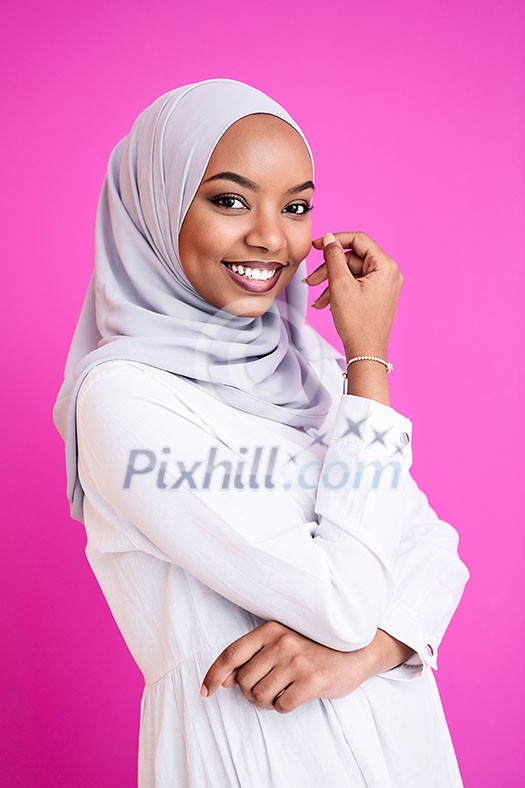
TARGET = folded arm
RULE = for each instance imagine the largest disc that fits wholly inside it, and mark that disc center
(332, 578)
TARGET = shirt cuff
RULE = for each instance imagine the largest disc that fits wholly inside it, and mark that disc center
(373, 426)
(400, 623)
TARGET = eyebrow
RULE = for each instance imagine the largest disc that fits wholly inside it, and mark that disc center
(248, 184)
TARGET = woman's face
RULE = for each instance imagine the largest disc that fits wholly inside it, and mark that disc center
(256, 216)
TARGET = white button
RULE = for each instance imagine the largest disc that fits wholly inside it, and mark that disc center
(430, 650)
(405, 437)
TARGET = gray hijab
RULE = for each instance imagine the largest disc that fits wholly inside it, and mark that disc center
(139, 303)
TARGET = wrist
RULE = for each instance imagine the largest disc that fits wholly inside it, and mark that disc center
(370, 661)
(384, 653)
(367, 378)
(390, 652)
(364, 662)
(367, 349)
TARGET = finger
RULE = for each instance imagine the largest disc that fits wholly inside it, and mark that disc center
(263, 690)
(322, 300)
(231, 681)
(336, 261)
(233, 656)
(260, 672)
(354, 262)
(297, 693)
(361, 243)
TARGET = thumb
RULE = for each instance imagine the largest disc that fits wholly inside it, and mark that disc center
(334, 256)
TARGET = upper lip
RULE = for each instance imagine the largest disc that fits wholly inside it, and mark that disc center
(256, 264)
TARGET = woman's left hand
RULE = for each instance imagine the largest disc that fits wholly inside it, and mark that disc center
(277, 668)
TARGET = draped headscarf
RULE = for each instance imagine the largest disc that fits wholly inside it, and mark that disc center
(140, 305)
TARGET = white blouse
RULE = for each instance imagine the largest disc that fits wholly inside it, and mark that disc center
(204, 521)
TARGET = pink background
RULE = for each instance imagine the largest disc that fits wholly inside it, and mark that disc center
(415, 115)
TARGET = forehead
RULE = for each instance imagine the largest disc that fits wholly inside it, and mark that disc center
(261, 144)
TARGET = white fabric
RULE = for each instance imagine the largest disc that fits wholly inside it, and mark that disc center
(187, 571)
(139, 303)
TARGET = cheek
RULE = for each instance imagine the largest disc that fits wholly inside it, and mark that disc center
(301, 244)
(222, 234)
(300, 239)
(213, 237)
(198, 242)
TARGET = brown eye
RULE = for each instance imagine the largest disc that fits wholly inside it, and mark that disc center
(225, 198)
(306, 208)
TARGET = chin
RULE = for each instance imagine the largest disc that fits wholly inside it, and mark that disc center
(245, 307)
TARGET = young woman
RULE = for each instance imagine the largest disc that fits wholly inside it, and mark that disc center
(277, 574)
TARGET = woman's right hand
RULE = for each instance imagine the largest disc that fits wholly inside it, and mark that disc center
(363, 291)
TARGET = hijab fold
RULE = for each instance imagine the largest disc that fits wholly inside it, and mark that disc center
(140, 305)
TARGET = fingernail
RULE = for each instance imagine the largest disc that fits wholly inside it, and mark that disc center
(305, 279)
(204, 692)
(329, 238)
(314, 303)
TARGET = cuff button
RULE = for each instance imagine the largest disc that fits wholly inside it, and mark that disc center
(405, 438)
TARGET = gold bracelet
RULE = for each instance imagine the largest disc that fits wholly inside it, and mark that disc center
(389, 367)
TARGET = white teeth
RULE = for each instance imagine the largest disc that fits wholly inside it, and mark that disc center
(252, 273)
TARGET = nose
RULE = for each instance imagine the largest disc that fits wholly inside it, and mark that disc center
(266, 231)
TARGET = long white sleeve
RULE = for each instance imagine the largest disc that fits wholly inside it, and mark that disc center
(330, 579)
(430, 578)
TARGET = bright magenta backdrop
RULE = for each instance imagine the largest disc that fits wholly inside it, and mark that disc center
(415, 115)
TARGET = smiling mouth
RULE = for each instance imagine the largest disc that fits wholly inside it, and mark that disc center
(254, 278)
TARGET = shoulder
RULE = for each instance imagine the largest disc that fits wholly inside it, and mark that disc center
(111, 377)
(124, 406)
(124, 388)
